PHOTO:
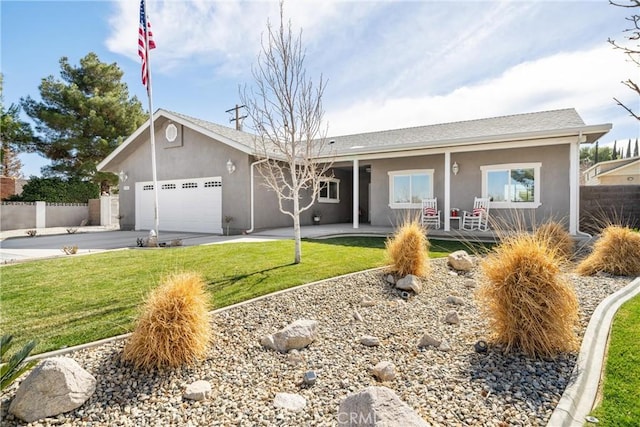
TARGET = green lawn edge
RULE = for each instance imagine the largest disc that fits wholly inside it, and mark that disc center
(620, 405)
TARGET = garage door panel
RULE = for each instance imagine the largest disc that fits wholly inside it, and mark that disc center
(184, 205)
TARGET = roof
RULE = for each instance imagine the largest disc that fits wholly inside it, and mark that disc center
(513, 127)
(610, 167)
(519, 127)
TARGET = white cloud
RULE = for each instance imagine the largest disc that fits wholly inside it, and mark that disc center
(585, 80)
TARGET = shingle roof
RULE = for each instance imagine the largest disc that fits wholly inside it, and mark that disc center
(231, 133)
(464, 130)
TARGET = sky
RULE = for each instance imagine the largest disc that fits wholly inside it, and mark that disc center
(388, 64)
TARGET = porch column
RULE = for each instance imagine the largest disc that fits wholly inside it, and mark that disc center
(574, 185)
(356, 193)
(447, 190)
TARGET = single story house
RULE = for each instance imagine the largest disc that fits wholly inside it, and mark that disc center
(207, 181)
(614, 172)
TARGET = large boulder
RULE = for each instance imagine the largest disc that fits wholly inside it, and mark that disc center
(377, 407)
(296, 335)
(54, 386)
(460, 260)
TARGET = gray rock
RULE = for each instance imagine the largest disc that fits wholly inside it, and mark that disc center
(198, 390)
(460, 260)
(297, 335)
(54, 386)
(391, 279)
(289, 401)
(384, 371)
(410, 283)
(455, 300)
(428, 341)
(452, 318)
(357, 316)
(369, 341)
(377, 407)
(444, 346)
(295, 358)
(470, 283)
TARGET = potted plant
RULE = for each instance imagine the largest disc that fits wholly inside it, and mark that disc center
(315, 216)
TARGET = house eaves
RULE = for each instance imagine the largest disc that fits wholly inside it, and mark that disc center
(621, 168)
(237, 139)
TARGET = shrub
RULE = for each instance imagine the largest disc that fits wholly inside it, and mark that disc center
(70, 250)
(557, 238)
(408, 250)
(617, 252)
(57, 190)
(528, 303)
(174, 327)
(12, 369)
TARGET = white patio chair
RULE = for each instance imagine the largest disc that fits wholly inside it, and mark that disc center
(478, 218)
(430, 213)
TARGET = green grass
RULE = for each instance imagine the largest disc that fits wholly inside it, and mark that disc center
(73, 300)
(621, 390)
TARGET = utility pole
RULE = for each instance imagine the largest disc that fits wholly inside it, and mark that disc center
(237, 117)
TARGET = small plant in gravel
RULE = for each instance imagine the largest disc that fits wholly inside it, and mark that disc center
(31, 233)
(11, 369)
(407, 251)
(174, 327)
(70, 250)
(616, 252)
(557, 238)
(529, 305)
(72, 230)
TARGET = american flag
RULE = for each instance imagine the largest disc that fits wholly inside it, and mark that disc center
(142, 52)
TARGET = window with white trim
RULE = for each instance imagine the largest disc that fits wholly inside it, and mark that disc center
(515, 185)
(407, 188)
(329, 191)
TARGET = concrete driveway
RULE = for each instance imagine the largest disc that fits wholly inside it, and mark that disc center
(17, 246)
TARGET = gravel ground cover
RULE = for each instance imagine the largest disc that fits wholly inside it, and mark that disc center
(458, 387)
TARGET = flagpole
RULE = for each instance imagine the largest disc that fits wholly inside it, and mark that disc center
(151, 126)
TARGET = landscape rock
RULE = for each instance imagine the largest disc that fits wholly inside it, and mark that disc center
(55, 386)
(377, 407)
(367, 302)
(357, 316)
(296, 335)
(289, 401)
(410, 283)
(369, 341)
(428, 341)
(384, 371)
(444, 346)
(198, 390)
(391, 279)
(295, 358)
(455, 300)
(460, 260)
(452, 318)
(470, 283)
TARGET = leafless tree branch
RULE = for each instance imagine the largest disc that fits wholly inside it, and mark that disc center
(632, 52)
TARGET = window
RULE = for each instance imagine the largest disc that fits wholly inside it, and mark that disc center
(329, 191)
(408, 188)
(512, 185)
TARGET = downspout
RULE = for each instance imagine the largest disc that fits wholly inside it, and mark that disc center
(251, 194)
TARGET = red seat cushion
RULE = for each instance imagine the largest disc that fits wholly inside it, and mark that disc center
(430, 212)
(477, 211)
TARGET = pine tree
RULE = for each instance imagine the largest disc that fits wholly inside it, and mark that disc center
(628, 150)
(11, 166)
(635, 150)
(614, 155)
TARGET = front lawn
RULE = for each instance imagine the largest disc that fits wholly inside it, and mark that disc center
(621, 391)
(74, 300)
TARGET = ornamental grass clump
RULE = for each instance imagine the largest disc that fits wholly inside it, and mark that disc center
(528, 303)
(616, 252)
(557, 238)
(174, 327)
(407, 251)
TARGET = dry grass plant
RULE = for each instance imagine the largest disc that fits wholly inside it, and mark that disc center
(557, 238)
(174, 327)
(407, 251)
(616, 252)
(530, 306)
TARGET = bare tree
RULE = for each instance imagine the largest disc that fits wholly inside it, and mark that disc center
(285, 108)
(633, 52)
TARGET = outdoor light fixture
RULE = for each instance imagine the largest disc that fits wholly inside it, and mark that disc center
(230, 167)
(123, 176)
(455, 168)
